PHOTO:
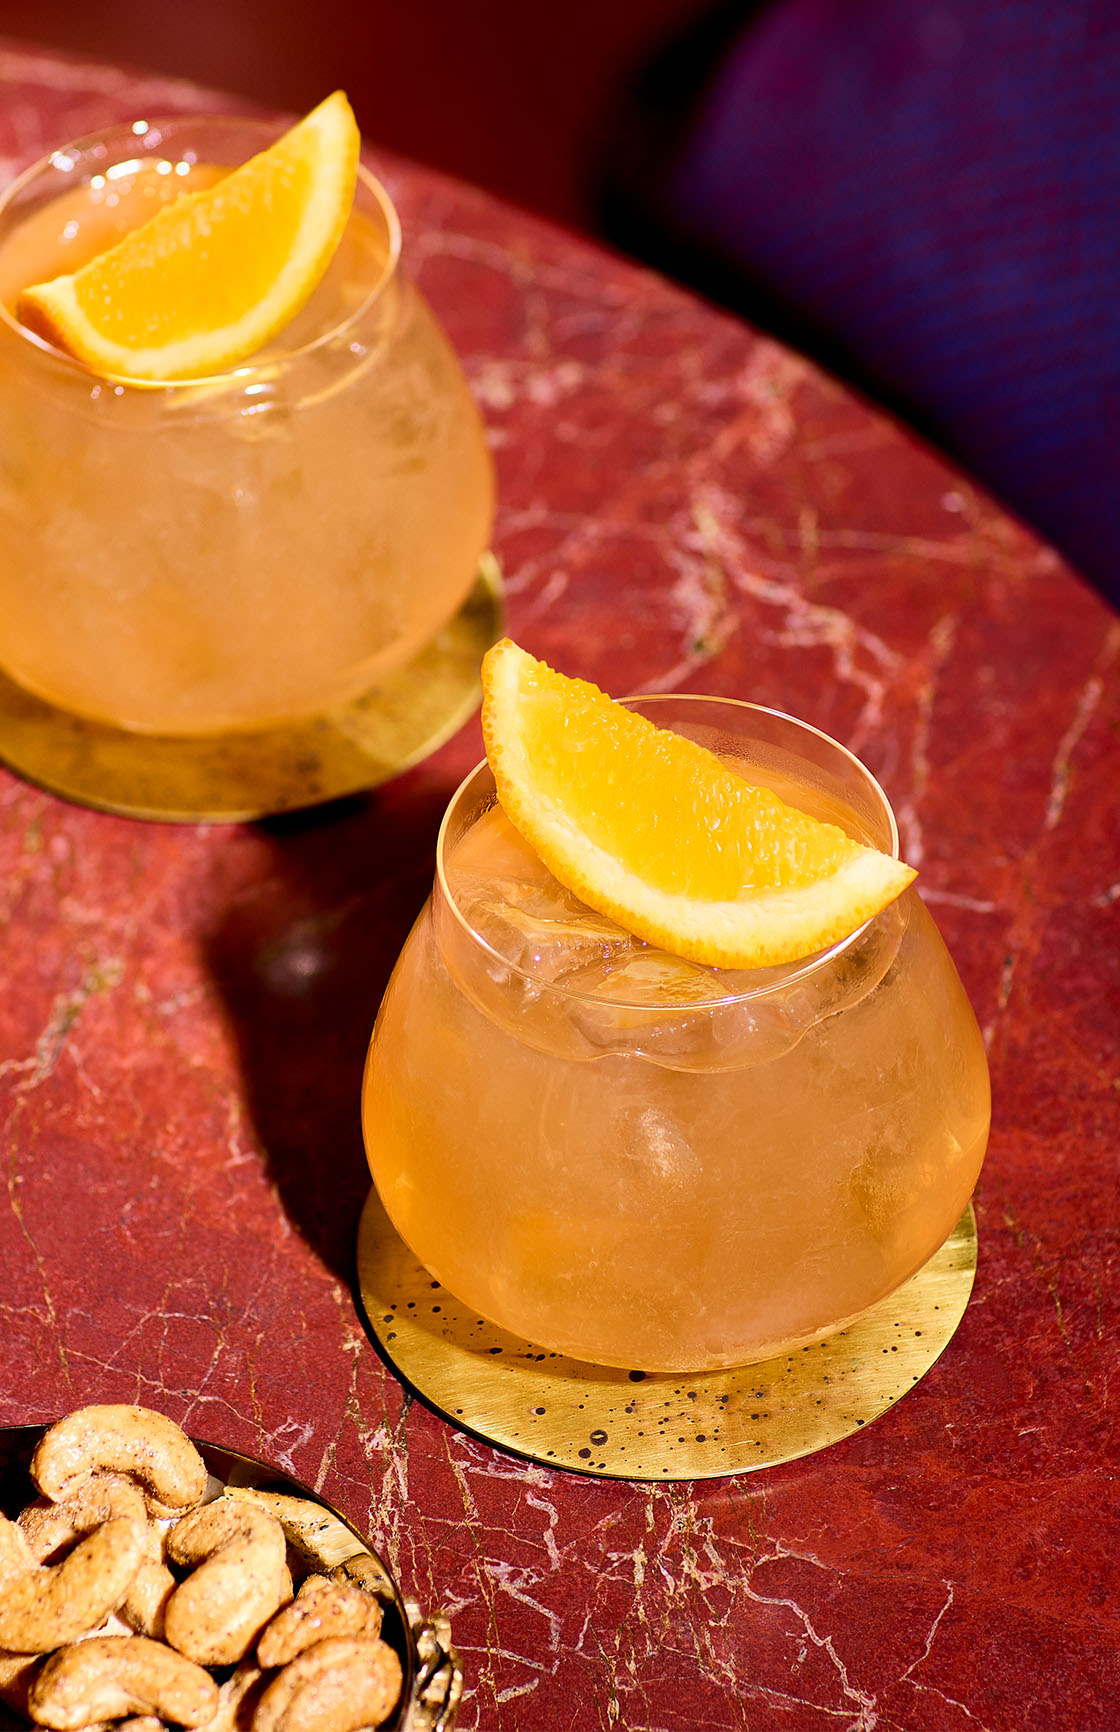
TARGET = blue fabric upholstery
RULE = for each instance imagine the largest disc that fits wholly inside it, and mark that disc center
(934, 187)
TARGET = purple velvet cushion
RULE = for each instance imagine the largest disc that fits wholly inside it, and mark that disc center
(936, 185)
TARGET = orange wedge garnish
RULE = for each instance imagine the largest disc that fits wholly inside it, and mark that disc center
(214, 275)
(659, 834)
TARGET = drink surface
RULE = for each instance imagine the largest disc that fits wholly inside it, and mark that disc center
(645, 1162)
(239, 551)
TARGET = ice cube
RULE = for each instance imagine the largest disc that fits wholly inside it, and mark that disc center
(643, 975)
(537, 926)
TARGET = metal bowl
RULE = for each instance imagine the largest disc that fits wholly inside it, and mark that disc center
(325, 1540)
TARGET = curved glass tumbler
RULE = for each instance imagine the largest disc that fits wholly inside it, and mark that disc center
(642, 1162)
(234, 551)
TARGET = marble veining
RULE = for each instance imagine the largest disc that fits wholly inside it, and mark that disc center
(185, 1013)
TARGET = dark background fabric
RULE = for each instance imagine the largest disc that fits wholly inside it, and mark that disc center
(926, 195)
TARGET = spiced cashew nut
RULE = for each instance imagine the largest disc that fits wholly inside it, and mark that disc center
(108, 1677)
(50, 1528)
(336, 1686)
(17, 1674)
(237, 1699)
(318, 1537)
(144, 1607)
(44, 1606)
(136, 1441)
(240, 1579)
(16, 1555)
(322, 1608)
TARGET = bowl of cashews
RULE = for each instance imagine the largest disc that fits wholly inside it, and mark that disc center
(149, 1579)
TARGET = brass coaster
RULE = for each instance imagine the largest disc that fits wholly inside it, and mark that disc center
(645, 1425)
(222, 778)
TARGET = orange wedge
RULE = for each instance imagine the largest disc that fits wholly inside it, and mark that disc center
(214, 275)
(659, 834)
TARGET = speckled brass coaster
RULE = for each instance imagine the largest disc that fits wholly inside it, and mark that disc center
(222, 778)
(655, 1426)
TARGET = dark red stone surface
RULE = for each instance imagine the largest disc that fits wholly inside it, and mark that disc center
(185, 1011)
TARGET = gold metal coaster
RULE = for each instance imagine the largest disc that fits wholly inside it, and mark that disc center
(222, 778)
(655, 1426)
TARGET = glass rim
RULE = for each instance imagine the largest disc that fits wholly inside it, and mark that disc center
(779, 977)
(270, 130)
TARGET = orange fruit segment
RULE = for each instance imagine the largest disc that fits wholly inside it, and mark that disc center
(660, 835)
(212, 276)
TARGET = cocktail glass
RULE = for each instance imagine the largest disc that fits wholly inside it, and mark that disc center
(637, 1161)
(236, 551)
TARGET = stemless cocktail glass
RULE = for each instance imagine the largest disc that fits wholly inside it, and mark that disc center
(642, 1162)
(236, 551)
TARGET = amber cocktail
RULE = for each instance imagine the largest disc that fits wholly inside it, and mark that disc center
(234, 551)
(650, 1163)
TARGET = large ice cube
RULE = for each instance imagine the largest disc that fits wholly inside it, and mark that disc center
(538, 928)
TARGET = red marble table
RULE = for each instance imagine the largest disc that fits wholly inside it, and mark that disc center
(185, 1011)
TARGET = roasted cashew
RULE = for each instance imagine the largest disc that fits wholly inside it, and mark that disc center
(15, 1553)
(44, 1606)
(130, 1440)
(237, 1700)
(240, 1580)
(17, 1673)
(316, 1534)
(108, 1677)
(322, 1608)
(336, 1686)
(144, 1607)
(365, 1570)
(51, 1528)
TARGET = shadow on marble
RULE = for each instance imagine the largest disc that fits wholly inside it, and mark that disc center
(301, 958)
